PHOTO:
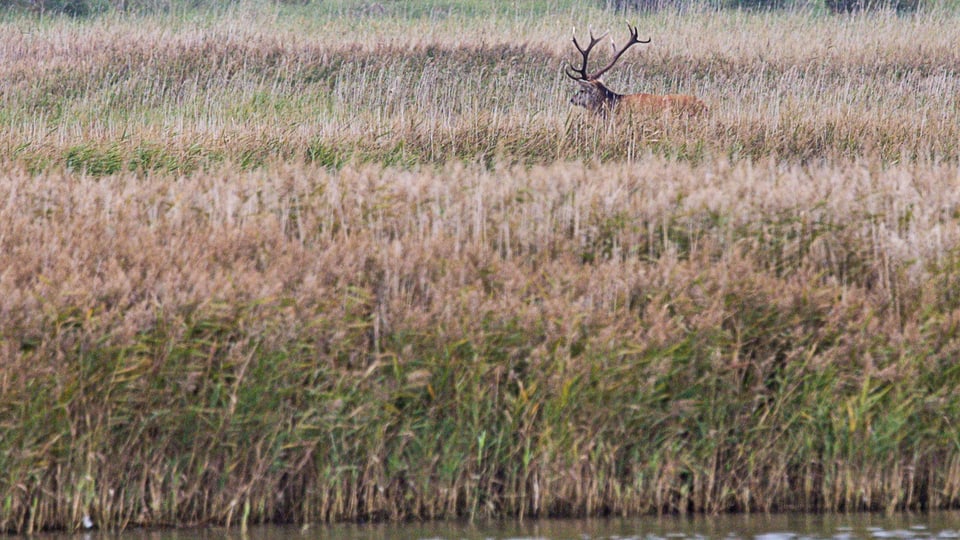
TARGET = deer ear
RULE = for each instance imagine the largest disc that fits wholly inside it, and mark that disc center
(585, 84)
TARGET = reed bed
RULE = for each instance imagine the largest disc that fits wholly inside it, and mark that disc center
(356, 267)
(303, 345)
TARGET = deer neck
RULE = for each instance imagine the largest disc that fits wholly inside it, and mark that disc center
(605, 99)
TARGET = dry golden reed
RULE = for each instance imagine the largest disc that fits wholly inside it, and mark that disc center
(297, 344)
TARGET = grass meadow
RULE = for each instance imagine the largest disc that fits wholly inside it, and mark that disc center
(362, 261)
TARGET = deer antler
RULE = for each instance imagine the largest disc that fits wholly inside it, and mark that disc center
(634, 39)
(582, 72)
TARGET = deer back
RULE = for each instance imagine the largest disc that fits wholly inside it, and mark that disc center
(671, 103)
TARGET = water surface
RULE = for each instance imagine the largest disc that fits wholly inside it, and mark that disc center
(758, 527)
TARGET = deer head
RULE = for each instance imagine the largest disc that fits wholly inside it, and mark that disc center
(593, 94)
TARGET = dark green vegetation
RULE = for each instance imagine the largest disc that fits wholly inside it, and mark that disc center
(256, 266)
(419, 8)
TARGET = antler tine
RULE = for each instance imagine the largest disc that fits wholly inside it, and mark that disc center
(634, 39)
(584, 53)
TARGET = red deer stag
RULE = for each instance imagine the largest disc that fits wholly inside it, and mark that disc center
(599, 99)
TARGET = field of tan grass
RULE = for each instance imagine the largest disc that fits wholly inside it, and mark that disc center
(178, 94)
(275, 265)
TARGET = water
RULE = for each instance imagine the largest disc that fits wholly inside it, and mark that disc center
(756, 527)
